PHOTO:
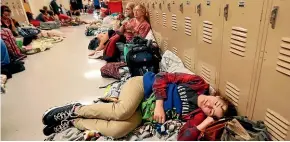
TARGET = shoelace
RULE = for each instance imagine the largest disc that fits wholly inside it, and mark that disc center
(65, 124)
(64, 115)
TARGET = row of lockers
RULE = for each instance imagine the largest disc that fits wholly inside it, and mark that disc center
(241, 47)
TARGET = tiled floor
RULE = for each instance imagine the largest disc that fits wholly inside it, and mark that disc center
(54, 77)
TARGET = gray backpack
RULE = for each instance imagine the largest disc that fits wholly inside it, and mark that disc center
(242, 129)
(50, 25)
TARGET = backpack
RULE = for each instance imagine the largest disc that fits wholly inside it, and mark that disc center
(112, 70)
(242, 129)
(143, 58)
(49, 25)
(94, 43)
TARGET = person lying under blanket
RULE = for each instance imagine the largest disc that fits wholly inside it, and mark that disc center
(137, 26)
(120, 118)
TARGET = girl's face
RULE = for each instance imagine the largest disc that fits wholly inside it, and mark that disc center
(6, 14)
(128, 11)
(138, 12)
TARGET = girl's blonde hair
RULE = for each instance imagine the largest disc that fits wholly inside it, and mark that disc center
(144, 10)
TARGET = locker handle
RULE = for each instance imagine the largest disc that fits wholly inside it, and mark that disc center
(274, 16)
(153, 5)
(198, 9)
(181, 7)
(226, 12)
(160, 7)
(148, 6)
(168, 7)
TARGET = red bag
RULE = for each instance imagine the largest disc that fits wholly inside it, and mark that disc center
(112, 70)
(214, 131)
(115, 7)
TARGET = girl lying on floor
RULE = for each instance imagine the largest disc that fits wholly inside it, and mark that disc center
(120, 118)
(137, 26)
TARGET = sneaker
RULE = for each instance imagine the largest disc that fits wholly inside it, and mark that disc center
(63, 125)
(57, 114)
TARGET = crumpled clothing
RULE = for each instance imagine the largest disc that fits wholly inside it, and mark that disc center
(50, 33)
(3, 82)
(115, 89)
(45, 43)
(71, 134)
(159, 132)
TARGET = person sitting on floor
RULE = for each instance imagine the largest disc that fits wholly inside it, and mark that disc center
(34, 22)
(42, 16)
(137, 26)
(7, 21)
(119, 118)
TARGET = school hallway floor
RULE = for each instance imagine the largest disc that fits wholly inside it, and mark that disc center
(55, 77)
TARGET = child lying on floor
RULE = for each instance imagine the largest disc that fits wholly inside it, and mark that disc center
(119, 118)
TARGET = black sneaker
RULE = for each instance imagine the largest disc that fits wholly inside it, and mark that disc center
(63, 125)
(57, 114)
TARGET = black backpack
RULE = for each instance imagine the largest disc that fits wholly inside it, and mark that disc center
(142, 58)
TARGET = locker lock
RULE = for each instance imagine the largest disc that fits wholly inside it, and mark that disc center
(274, 16)
(198, 9)
(181, 7)
(226, 12)
(168, 7)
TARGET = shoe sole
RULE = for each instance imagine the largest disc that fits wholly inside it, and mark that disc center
(48, 110)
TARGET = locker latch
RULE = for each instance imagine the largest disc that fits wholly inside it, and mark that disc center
(198, 9)
(168, 7)
(160, 6)
(274, 16)
(226, 12)
(153, 5)
(181, 7)
(148, 5)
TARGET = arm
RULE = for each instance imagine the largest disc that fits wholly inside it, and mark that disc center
(191, 128)
(163, 79)
(143, 31)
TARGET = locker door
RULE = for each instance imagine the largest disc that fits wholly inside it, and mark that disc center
(176, 28)
(240, 49)
(272, 101)
(158, 22)
(188, 24)
(209, 39)
(166, 29)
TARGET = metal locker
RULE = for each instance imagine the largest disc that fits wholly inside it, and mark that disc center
(188, 24)
(175, 27)
(242, 25)
(273, 95)
(166, 24)
(209, 40)
(17, 9)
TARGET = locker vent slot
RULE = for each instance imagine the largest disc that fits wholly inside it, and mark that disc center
(205, 73)
(238, 41)
(165, 45)
(158, 40)
(187, 26)
(187, 61)
(150, 15)
(207, 31)
(157, 17)
(277, 125)
(164, 20)
(174, 51)
(174, 22)
(233, 93)
(283, 63)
